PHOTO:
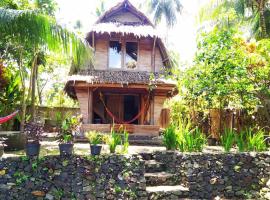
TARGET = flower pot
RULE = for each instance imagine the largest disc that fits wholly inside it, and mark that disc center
(32, 149)
(1, 150)
(95, 149)
(212, 141)
(66, 149)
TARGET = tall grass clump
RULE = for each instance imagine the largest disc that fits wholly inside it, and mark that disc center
(183, 137)
(170, 138)
(113, 140)
(255, 140)
(125, 142)
(240, 140)
(228, 139)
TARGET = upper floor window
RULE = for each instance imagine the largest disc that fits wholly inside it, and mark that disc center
(131, 55)
(123, 55)
(115, 55)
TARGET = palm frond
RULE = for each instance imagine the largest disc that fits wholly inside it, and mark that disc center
(30, 28)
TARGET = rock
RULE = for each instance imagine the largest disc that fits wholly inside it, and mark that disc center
(213, 181)
(38, 193)
(87, 189)
(49, 197)
(2, 172)
(268, 183)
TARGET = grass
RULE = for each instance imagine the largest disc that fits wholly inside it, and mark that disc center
(228, 139)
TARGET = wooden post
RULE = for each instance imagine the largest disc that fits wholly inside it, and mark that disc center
(153, 55)
(93, 40)
(152, 111)
(90, 106)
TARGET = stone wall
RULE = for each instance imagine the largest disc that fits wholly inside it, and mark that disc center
(243, 175)
(233, 176)
(54, 177)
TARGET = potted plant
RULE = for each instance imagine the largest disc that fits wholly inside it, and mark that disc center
(33, 131)
(2, 146)
(95, 138)
(69, 127)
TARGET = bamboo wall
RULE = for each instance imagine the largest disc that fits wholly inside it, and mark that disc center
(145, 46)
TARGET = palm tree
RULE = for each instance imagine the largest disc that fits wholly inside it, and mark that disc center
(167, 9)
(37, 32)
(100, 9)
(255, 12)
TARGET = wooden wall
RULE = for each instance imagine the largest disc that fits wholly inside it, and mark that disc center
(82, 95)
(158, 106)
(145, 47)
(101, 54)
(124, 17)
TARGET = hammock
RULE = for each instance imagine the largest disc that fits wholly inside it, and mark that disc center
(7, 118)
(119, 121)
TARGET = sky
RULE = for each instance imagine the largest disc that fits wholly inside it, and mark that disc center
(182, 38)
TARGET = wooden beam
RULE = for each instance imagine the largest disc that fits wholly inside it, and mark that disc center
(90, 105)
(168, 87)
(152, 110)
(93, 40)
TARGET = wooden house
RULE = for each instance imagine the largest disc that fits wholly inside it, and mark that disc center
(126, 83)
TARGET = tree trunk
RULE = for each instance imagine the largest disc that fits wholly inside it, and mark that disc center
(23, 101)
(262, 19)
(33, 88)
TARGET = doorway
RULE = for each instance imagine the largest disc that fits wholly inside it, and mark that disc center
(131, 108)
(124, 107)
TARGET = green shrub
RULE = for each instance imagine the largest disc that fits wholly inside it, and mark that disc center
(170, 138)
(255, 140)
(227, 139)
(94, 137)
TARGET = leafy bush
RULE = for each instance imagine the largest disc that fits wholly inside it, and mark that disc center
(170, 138)
(33, 131)
(255, 140)
(69, 127)
(228, 139)
(94, 137)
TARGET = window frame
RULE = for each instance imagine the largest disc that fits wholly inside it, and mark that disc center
(123, 53)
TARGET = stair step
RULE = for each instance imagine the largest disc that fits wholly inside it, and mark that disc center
(159, 179)
(167, 192)
(154, 166)
(145, 142)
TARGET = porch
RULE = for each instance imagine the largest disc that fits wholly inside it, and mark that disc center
(133, 129)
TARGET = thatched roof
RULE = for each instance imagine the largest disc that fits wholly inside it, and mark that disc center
(136, 30)
(127, 6)
(142, 29)
(114, 77)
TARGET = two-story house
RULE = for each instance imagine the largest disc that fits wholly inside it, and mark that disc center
(126, 84)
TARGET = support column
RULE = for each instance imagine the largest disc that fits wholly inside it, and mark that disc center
(152, 111)
(90, 106)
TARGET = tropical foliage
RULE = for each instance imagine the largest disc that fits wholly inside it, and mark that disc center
(29, 33)
(252, 14)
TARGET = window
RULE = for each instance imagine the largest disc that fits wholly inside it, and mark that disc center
(131, 55)
(115, 55)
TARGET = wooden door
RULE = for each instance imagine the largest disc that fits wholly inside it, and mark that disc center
(116, 106)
